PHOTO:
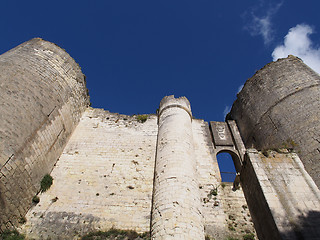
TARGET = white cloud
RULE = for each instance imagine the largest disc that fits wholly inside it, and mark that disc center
(240, 88)
(262, 25)
(298, 43)
(226, 111)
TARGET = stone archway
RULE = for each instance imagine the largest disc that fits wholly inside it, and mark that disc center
(227, 165)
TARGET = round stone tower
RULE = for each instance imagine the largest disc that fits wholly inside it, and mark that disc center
(176, 210)
(42, 97)
(279, 107)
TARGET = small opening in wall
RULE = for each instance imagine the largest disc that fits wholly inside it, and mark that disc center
(227, 169)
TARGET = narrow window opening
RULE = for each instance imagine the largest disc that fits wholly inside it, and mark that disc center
(226, 166)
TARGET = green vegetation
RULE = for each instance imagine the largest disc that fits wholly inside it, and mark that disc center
(116, 234)
(46, 183)
(208, 237)
(213, 192)
(231, 228)
(35, 199)
(269, 152)
(142, 118)
(288, 146)
(248, 236)
(22, 220)
(11, 235)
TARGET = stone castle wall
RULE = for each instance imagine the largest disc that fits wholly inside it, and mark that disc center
(103, 179)
(161, 175)
(42, 97)
(279, 107)
(283, 199)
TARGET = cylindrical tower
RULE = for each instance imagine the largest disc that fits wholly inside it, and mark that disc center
(279, 107)
(42, 97)
(176, 206)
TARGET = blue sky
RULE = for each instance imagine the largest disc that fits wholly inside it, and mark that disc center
(136, 52)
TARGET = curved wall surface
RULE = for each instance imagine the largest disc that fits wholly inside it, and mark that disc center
(42, 96)
(279, 107)
(176, 210)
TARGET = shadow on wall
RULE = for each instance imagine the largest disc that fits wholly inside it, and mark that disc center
(307, 226)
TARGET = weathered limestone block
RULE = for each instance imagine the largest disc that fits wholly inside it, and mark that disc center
(283, 199)
(176, 210)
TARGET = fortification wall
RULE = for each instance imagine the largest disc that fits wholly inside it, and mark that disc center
(238, 218)
(225, 210)
(42, 97)
(283, 199)
(103, 179)
(280, 107)
(208, 176)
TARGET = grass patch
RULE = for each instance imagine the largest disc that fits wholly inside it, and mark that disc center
(116, 234)
(11, 235)
(142, 118)
(46, 183)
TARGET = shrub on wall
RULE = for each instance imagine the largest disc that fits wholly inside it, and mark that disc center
(11, 235)
(46, 183)
(142, 118)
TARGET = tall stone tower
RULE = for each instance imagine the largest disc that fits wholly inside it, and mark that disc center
(279, 107)
(176, 212)
(42, 96)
